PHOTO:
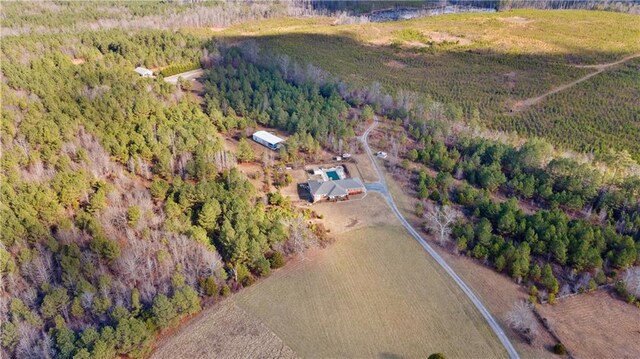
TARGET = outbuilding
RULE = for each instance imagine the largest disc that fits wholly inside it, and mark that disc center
(144, 72)
(268, 140)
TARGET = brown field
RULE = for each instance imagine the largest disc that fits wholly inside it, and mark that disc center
(373, 293)
(596, 326)
(341, 217)
(365, 168)
(223, 331)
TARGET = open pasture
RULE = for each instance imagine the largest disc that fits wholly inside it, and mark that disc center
(373, 293)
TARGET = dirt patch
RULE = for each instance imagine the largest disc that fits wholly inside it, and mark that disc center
(223, 331)
(413, 45)
(381, 41)
(340, 217)
(516, 20)
(298, 176)
(596, 325)
(395, 64)
(77, 61)
(440, 37)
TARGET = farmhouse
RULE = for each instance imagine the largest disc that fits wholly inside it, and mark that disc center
(144, 72)
(268, 140)
(335, 190)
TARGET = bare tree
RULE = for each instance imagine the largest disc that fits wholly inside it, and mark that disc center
(632, 281)
(300, 237)
(440, 219)
(521, 319)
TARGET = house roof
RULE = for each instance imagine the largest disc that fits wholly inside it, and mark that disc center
(337, 188)
(143, 71)
(268, 137)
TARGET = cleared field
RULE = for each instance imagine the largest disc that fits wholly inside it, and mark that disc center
(223, 331)
(483, 61)
(596, 326)
(374, 293)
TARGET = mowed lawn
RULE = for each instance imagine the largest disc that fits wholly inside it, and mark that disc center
(374, 293)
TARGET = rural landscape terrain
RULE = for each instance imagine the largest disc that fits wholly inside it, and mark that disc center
(285, 179)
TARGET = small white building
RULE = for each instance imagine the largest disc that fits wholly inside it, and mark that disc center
(144, 72)
(268, 140)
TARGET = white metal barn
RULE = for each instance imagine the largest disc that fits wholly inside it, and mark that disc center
(268, 140)
(144, 72)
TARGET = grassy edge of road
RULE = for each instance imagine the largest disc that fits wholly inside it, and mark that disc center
(495, 326)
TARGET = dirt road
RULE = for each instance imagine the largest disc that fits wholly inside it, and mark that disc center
(381, 186)
(524, 104)
(189, 75)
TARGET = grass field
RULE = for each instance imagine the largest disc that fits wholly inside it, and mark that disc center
(223, 331)
(374, 293)
(476, 61)
(596, 326)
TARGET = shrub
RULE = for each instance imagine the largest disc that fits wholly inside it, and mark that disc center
(209, 286)
(437, 356)
(276, 260)
(263, 267)
(559, 349)
(133, 215)
(225, 291)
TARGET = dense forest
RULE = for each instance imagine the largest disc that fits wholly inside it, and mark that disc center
(317, 114)
(120, 208)
(581, 230)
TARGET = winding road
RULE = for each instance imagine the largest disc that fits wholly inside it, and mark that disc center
(381, 187)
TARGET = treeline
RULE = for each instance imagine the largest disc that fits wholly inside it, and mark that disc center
(529, 174)
(260, 94)
(49, 18)
(530, 247)
(180, 68)
(604, 5)
(551, 246)
(119, 210)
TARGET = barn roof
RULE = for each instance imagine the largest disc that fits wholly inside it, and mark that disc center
(268, 137)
